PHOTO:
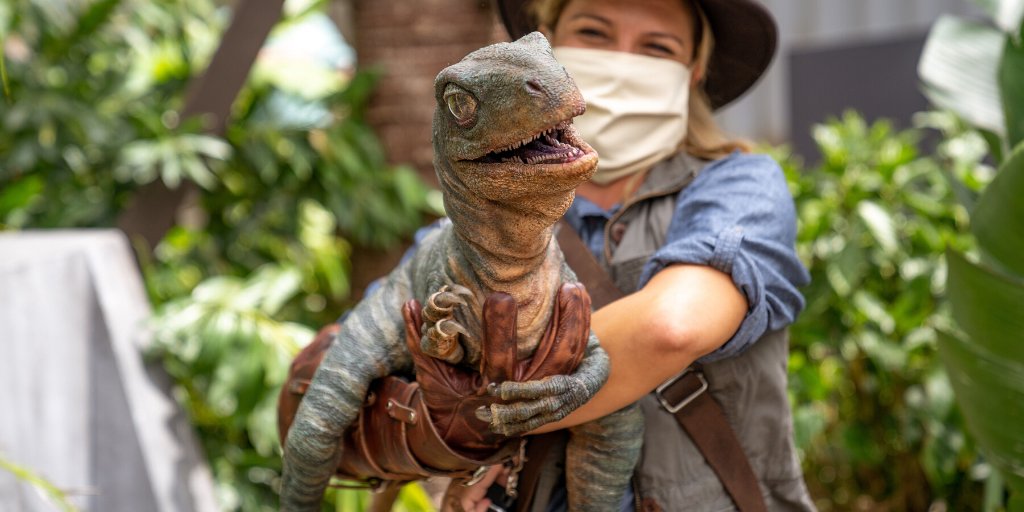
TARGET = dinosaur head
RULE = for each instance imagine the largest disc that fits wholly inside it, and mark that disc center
(503, 129)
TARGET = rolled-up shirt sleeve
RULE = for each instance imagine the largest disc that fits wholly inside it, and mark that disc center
(738, 217)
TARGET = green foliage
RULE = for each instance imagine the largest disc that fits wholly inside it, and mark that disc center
(985, 357)
(958, 65)
(91, 87)
(223, 345)
(260, 257)
(874, 415)
(984, 353)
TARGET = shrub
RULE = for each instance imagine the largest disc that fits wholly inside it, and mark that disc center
(875, 421)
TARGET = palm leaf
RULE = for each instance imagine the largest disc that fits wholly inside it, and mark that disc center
(1011, 89)
(990, 392)
(998, 217)
(986, 365)
(958, 67)
(1006, 13)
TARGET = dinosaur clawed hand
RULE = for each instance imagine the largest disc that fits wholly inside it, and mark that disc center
(440, 331)
(536, 403)
(566, 369)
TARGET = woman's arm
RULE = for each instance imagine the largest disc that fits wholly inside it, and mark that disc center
(683, 313)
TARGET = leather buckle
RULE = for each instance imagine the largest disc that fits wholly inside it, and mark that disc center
(400, 412)
(674, 408)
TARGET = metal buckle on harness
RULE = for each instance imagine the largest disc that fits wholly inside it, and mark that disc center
(674, 408)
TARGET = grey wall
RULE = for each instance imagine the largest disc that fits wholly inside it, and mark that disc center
(807, 25)
(78, 404)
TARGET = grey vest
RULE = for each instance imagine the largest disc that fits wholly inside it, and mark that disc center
(751, 387)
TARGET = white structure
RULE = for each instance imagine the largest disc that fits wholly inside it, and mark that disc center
(78, 404)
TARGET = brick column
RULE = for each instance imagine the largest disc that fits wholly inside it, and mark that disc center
(411, 41)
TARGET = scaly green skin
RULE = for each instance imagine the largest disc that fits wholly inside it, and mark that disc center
(499, 240)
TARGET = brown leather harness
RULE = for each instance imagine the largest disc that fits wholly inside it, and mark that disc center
(411, 430)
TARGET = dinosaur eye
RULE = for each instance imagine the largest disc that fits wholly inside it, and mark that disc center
(461, 104)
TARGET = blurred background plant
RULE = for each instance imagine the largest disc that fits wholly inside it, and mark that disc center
(261, 254)
(976, 70)
(874, 415)
(59, 498)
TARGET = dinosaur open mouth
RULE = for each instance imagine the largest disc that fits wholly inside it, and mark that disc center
(555, 145)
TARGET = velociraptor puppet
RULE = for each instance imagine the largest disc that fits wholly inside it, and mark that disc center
(508, 161)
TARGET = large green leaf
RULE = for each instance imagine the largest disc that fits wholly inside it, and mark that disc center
(990, 391)
(958, 67)
(998, 217)
(988, 306)
(1011, 89)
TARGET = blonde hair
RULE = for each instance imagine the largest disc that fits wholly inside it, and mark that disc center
(704, 139)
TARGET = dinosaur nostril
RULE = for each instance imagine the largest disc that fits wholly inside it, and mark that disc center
(533, 87)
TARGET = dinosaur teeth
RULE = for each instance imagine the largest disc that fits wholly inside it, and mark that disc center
(560, 138)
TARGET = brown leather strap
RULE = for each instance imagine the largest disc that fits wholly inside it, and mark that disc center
(702, 417)
(698, 413)
(537, 450)
(599, 285)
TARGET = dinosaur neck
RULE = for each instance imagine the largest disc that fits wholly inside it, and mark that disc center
(505, 243)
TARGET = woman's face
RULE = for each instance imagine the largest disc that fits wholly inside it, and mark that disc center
(656, 28)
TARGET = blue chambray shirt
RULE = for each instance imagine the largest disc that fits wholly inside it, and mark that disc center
(738, 217)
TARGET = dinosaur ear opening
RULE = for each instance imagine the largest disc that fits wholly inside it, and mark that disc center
(461, 104)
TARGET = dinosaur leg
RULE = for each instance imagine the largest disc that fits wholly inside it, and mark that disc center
(600, 459)
(440, 329)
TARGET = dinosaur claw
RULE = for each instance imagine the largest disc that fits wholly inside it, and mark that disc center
(483, 413)
(449, 328)
(440, 332)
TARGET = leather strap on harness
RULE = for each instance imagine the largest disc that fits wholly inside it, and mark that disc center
(579, 258)
(685, 396)
(702, 417)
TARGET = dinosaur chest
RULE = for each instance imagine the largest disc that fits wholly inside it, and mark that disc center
(534, 294)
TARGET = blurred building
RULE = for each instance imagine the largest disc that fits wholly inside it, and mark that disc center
(836, 55)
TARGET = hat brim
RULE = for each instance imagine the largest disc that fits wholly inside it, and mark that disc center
(745, 42)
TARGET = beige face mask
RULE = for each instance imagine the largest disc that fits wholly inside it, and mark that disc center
(636, 107)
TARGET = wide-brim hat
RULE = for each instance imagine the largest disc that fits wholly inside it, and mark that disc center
(745, 40)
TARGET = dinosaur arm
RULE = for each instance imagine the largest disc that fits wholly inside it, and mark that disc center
(371, 344)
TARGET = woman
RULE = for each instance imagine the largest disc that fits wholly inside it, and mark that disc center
(697, 232)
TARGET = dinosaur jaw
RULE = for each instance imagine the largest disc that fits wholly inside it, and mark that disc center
(558, 144)
(552, 161)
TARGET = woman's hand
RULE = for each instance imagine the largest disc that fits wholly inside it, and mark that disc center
(473, 498)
